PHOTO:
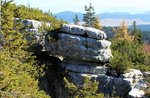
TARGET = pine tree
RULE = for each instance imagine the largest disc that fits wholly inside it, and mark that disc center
(76, 20)
(122, 32)
(127, 52)
(97, 24)
(18, 74)
(137, 34)
(89, 17)
(134, 25)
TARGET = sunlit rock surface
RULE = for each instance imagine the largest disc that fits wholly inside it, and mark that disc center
(80, 43)
(85, 52)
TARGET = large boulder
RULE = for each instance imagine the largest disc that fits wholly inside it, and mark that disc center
(137, 83)
(129, 85)
(73, 44)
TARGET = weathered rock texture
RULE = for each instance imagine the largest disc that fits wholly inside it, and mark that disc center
(80, 43)
(34, 26)
(129, 85)
(85, 51)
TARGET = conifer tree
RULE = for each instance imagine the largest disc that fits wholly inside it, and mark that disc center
(127, 52)
(97, 24)
(89, 17)
(134, 25)
(122, 31)
(76, 20)
(137, 34)
(18, 74)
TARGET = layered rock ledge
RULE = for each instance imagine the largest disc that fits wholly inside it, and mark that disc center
(85, 51)
(79, 43)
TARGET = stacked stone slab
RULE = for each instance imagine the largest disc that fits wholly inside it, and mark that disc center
(80, 43)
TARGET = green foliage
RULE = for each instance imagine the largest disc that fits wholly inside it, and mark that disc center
(146, 37)
(128, 50)
(89, 17)
(137, 34)
(128, 55)
(23, 12)
(109, 32)
(87, 90)
(43, 30)
(18, 70)
(76, 20)
(120, 62)
(97, 24)
(122, 32)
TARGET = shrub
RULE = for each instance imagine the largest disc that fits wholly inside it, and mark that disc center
(87, 90)
(18, 71)
(128, 55)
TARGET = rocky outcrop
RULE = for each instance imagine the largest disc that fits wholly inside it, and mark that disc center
(135, 78)
(129, 85)
(83, 67)
(86, 51)
(80, 43)
(34, 26)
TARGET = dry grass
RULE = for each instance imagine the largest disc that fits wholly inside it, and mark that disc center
(147, 49)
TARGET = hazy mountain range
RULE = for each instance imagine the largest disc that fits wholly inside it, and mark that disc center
(110, 19)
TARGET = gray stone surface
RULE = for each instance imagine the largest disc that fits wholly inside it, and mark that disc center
(84, 68)
(81, 30)
(33, 23)
(73, 29)
(95, 33)
(136, 93)
(33, 27)
(130, 84)
(135, 78)
(108, 85)
(79, 47)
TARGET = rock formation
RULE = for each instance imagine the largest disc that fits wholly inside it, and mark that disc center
(80, 43)
(85, 51)
(33, 26)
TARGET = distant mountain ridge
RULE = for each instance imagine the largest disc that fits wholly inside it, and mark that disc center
(142, 18)
(142, 27)
(69, 15)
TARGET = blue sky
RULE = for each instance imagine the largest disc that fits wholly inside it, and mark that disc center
(100, 6)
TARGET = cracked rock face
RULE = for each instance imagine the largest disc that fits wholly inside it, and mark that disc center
(80, 43)
(124, 86)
